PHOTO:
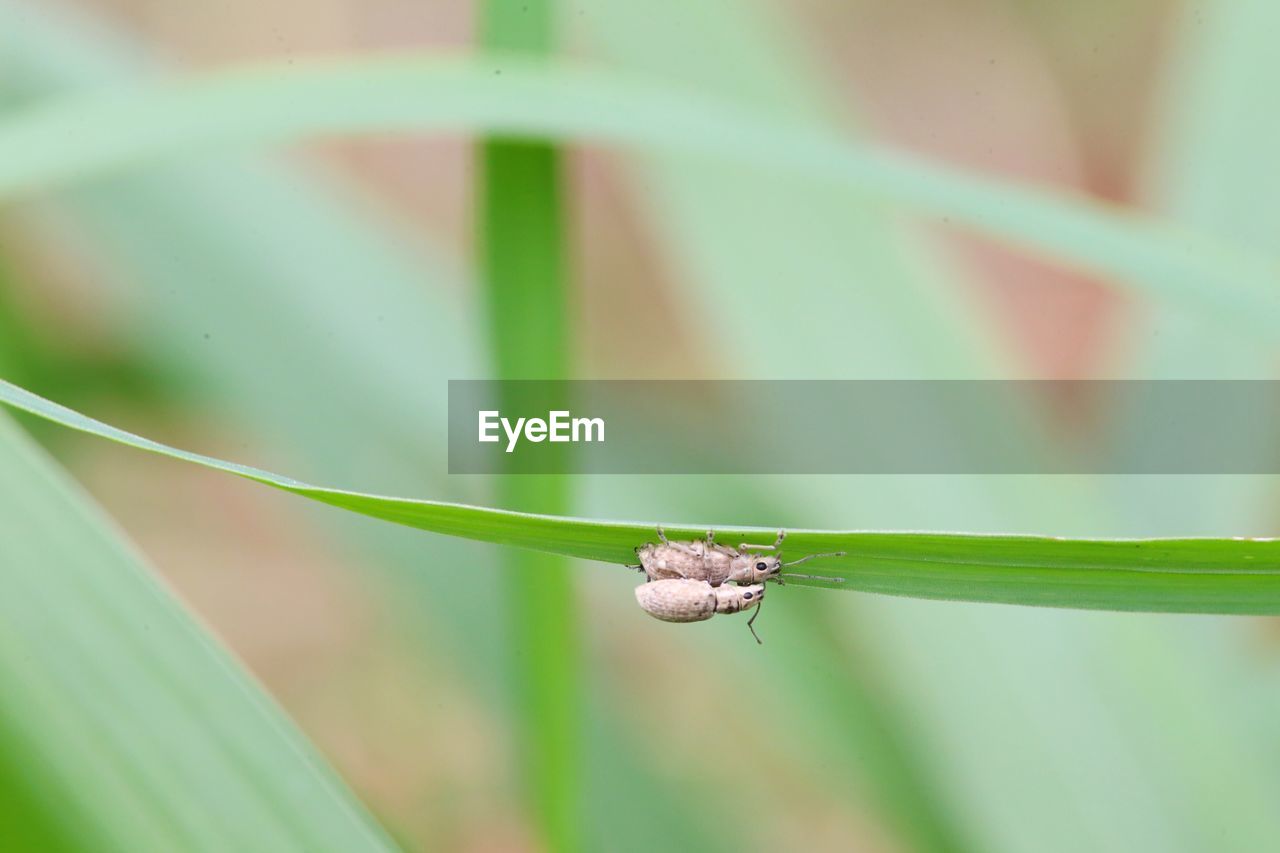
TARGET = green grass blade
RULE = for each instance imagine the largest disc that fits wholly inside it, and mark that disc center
(126, 712)
(508, 96)
(1167, 575)
(522, 270)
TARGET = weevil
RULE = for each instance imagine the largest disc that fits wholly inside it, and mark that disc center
(707, 560)
(685, 600)
(686, 580)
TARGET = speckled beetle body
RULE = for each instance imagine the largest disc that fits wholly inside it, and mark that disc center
(693, 581)
(705, 560)
(685, 600)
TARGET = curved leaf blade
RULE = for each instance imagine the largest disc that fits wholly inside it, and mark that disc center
(127, 719)
(1203, 575)
(62, 142)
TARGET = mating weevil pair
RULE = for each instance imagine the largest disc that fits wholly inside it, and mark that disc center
(687, 580)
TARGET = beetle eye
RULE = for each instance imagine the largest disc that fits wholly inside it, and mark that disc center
(760, 567)
(748, 595)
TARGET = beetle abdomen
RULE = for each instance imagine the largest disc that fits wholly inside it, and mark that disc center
(677, 600)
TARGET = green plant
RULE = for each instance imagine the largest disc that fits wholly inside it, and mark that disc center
(120, 709)
(1208, 575)
(522, 265)
(1107, 706)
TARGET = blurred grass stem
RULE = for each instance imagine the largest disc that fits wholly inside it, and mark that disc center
(522, 263)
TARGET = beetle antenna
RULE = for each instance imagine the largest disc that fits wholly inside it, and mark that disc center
(753, 619)
(830, 578)
(814, 556)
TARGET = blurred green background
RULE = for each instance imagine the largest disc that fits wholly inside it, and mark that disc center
(303, 309)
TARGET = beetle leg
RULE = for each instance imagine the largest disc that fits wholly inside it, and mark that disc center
(782, 534)
(752, 620)
(682, 547)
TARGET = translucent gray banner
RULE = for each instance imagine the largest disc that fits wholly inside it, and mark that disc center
(864, 427)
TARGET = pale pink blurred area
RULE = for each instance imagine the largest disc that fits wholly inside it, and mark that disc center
(1047, 93)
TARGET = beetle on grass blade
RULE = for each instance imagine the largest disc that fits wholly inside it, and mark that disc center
(705, 559)
(686, 579)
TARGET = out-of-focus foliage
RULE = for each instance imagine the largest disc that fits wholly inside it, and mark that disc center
(122, 711)
(508, 96)
(523, 270)
(320, 329)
